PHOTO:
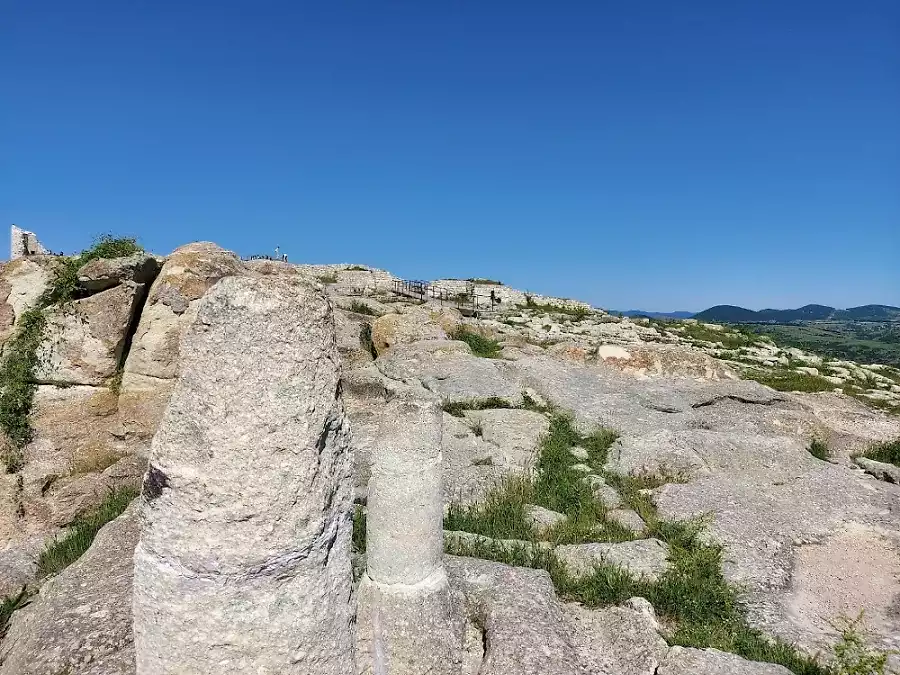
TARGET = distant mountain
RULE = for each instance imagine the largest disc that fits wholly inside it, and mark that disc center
(654, 315)
(732, 314)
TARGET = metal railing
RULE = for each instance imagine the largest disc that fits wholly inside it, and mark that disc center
(468, 301)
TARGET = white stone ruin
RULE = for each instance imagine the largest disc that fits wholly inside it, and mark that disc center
(23, 243)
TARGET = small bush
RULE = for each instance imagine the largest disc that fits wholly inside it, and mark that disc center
(485, 282)
(64, 286)
(362, 308)
(818, 449)
(885, 452)
(480, 345)
(852, 656)
(329, 278)
(63, 552)
(356, 268)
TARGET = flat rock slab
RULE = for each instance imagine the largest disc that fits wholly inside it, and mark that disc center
(617, 640)
(689, 661)
(856, 570)
(643, 558)
(449, 369)
(80, 624)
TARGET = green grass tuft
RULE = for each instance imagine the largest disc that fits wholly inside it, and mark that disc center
(362, 308)
(818, 449)
(17, 380)
(789, 380)
(63, 552)
(457, 408)
(693, 597)
(9, 605)
(481, 345)
(329, 278)
(888, 452)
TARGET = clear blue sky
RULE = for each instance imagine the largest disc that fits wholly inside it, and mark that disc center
(661, 155)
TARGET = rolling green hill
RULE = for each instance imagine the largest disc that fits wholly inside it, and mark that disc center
(733, 314)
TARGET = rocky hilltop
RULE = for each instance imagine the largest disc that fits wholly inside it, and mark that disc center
(216, 465)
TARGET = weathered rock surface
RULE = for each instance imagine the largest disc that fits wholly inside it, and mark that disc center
(688, 661)
(152, 363)
(413, 325)
(643, 557)
(22, 282)
(541, 519)
(522, 623)
(84, 340)
(103, 273)
(617, 640)
(244, 558)
(80, 624)
(77, 456)
(881, 470)
(449, 369)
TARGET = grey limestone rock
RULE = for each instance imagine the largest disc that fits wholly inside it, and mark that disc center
(80, 623)
(642, 557)
(243, 563)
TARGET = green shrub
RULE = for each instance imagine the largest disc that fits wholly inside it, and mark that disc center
(17, 379)
(64, 286)
(851, 655)
(457, 408)
(356, 268)
(362, 308)
(328, 278)
(481, 345)
(485, 282)
(80, 534)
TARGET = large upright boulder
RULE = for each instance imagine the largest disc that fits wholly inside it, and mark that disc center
(243, 564)
(152, 363)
